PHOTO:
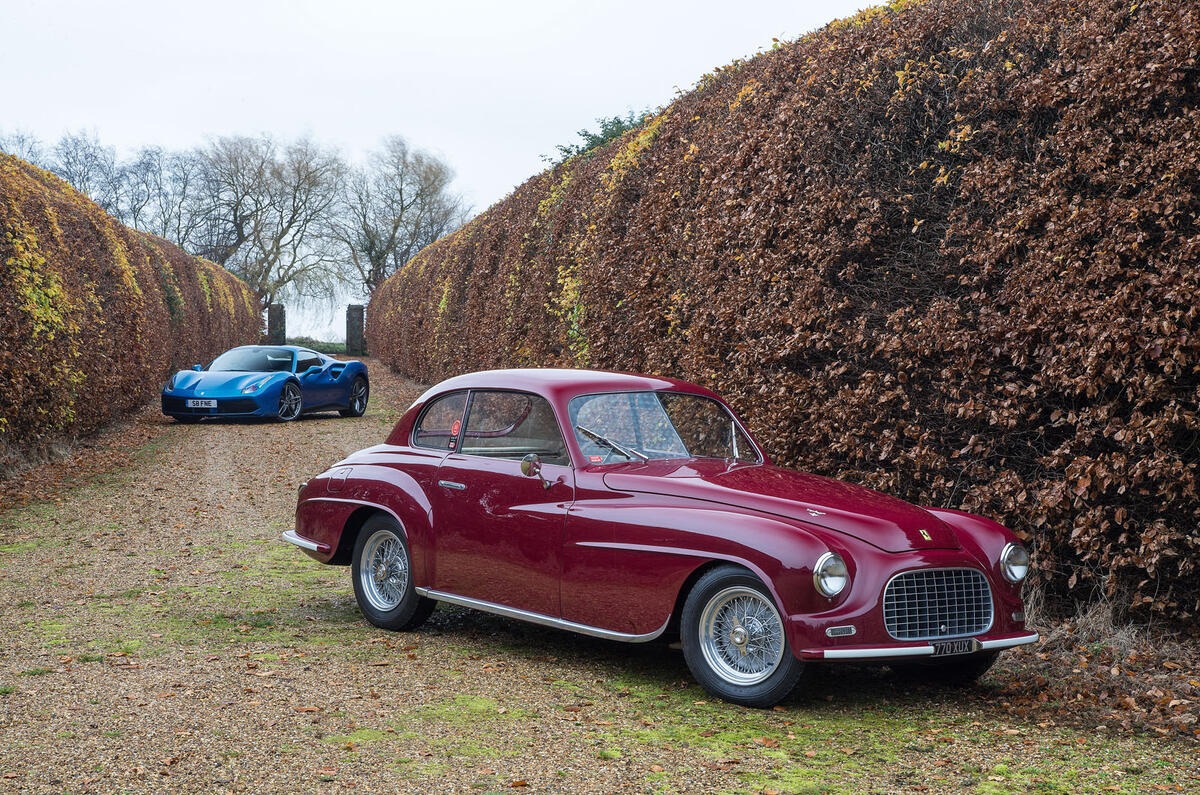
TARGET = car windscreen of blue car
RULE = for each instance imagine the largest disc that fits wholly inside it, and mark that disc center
(254, 360)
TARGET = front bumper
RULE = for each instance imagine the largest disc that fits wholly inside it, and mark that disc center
(914, 650)
(175, 406)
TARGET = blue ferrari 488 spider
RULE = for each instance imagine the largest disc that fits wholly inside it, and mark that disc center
(280, 381)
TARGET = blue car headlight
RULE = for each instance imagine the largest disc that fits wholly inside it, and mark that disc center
(171, 383)
(255, 386)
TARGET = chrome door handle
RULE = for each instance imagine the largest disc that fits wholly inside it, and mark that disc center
(450, 484)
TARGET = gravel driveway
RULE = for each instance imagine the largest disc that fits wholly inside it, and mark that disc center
(159, 637)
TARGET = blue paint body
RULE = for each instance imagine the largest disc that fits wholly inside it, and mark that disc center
(256, 393)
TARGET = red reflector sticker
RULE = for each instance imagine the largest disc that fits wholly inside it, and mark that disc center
(595, 459)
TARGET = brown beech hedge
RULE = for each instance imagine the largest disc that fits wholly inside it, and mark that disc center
(949, 250)
(95, 315)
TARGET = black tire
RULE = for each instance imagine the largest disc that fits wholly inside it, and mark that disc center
(357, 408)
(290, 402)
(954, 672)
(182, 420)
(720, 587)
(410, 608)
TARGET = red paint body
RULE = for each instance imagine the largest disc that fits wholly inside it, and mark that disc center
(613, 546)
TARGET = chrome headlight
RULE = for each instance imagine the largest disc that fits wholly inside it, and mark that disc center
(1014, 562)
(830, 575)
(171, 383)
(257, 385)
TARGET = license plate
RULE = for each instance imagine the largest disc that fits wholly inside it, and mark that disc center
(946, 648)
(196, 403)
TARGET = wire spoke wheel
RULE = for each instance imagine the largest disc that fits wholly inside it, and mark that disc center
(384, 570)
(289, 402)
(741, 636)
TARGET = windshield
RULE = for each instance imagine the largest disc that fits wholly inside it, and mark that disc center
(254, 360)
(623, 426)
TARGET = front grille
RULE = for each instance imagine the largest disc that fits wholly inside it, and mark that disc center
(178, 405)
(937, 603)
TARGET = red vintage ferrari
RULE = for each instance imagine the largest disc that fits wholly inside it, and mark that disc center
(627, 507)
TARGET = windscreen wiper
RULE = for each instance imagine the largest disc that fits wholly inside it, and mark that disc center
(628, 452)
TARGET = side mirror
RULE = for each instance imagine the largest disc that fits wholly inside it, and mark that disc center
(197, 368)
(316, 368)
(531, 466)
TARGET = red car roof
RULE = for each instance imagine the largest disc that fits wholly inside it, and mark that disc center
(560, 385)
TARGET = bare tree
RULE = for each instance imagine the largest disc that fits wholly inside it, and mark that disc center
(392, 208)
(289, 219)
(267, 211)
(90, 167)
(26, 146)
(161, 193)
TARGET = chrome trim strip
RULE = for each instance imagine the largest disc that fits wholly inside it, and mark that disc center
(450, 484)
(1008, 643)
(295, 539)
(539, 618)
(887, 651)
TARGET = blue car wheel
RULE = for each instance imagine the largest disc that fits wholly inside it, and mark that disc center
(290, 402)
(359, 393)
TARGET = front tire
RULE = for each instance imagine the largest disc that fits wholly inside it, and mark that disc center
(382, 576)
(290, 402)
(359, 393)
(734, 640)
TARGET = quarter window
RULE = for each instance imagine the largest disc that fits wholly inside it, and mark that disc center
(513, 425)
(441, 422)
(305, 360)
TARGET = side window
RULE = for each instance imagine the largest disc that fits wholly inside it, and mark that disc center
(305, 360)
(440, 422)
(513, 425)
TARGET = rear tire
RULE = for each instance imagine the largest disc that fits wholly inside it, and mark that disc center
(382, 575)
(360, 392)
(734, 640)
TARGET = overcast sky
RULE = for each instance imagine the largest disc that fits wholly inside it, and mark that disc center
(489, 86)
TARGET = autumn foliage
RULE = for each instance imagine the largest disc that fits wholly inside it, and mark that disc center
(95, 315)
(949, 250)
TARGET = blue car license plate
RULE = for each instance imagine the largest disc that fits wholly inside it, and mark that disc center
(196, 403)
(946, 648)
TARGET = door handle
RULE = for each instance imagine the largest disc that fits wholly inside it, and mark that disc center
(450, 484)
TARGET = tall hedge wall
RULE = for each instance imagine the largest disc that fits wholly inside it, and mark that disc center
(95, 315)
(947, 249)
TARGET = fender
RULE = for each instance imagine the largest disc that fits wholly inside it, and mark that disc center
(329, 502)
(655, 547)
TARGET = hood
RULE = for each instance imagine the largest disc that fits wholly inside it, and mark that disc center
(888, 523)
(216, 384)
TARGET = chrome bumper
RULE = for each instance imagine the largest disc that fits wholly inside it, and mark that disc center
(922, 650)
(295, 539)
